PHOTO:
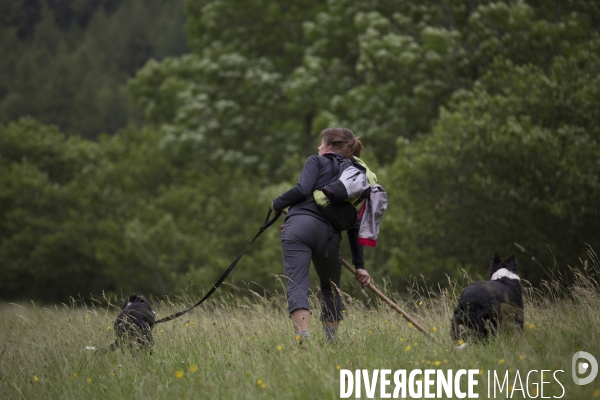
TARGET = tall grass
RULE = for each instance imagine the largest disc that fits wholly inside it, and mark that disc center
(241, 345)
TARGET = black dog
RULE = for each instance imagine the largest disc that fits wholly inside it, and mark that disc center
(483, 305)
(134, 323)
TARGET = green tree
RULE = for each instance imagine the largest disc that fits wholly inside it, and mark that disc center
(117, 215)
(44, 253)
(227, 100)
(163, 226)
(513, 160)
(71, 67)
(384, 68)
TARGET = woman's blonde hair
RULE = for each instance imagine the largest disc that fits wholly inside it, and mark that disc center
(343, 141)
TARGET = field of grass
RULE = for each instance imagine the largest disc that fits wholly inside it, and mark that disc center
(241, 346)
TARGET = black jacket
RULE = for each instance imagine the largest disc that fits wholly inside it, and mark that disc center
(318, 171)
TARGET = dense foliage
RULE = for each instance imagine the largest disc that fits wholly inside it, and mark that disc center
(67, 62)
(479, 117)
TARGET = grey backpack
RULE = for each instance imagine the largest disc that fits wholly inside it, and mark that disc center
(342, 199)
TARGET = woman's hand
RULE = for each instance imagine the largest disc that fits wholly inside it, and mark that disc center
(363, 277)
(272, 209)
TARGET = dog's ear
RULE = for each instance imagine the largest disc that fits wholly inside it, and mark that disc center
(133, 298)
(496, 258)
(510, 261)
(496, 264)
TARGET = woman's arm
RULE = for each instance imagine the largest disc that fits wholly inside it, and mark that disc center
(357, 257)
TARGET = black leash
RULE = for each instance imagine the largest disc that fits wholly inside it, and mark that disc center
(265, 225)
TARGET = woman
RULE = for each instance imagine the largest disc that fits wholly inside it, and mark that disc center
(307, 235)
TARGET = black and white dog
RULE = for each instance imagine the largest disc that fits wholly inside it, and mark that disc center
(483, 305)
(134, 323)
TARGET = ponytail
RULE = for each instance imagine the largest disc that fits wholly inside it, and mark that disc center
(342, 140)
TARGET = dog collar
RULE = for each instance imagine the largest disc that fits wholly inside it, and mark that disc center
(504, 273)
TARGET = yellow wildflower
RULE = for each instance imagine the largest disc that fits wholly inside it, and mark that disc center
(193, 368)
(407, 348)
(35, 379)
(178, 374)
(501, 361)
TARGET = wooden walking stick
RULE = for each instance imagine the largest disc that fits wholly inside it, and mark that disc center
(391, 303)
(387, 300)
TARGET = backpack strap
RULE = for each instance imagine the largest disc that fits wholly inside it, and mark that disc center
(354, 161)
(363, 196)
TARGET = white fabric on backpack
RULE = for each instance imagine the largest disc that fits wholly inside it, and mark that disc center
(370, 222)
(355, 181)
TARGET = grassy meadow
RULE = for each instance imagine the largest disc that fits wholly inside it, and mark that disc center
(240, 345)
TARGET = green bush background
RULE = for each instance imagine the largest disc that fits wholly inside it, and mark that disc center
(142, 142)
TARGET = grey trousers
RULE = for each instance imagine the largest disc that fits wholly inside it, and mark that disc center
(305, 238)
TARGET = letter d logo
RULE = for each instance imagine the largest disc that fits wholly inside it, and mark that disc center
(582, 367)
